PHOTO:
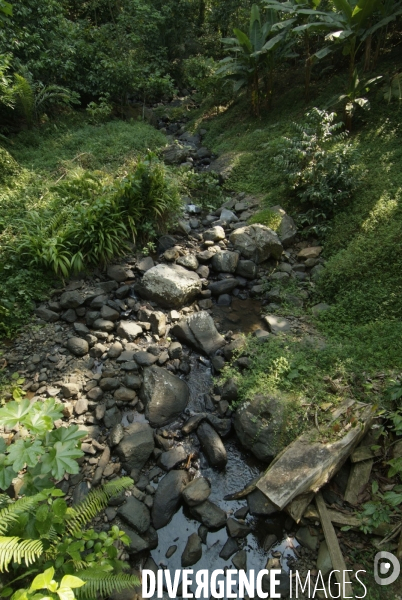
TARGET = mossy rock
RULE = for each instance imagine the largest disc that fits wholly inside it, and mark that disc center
(8, 166)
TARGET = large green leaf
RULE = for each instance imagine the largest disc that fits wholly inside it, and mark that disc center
(61, 459)
(7, 473)
(14, 412)
(344, 7)
(273, 42)
(243, 40)
(25, 452)
(68, 434)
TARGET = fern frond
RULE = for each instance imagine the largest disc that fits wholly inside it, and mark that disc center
(4, 500)
(101, 584)
(24, 97)
(94, 503)
(14, 549)
(10, 514)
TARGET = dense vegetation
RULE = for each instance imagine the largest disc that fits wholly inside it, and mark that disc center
(304, 99)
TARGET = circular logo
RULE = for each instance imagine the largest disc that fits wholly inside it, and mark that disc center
(385, 568)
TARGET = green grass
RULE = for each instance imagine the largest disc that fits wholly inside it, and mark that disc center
(57, 168)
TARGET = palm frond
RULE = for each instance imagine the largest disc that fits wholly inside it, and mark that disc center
(14, 549)
(96, 501)
(101, 584)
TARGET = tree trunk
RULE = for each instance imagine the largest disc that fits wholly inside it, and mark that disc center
(367, 53)
(308, 66)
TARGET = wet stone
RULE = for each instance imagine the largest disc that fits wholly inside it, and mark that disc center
(231, 546)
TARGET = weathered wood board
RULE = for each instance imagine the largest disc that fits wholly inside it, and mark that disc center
(358, 478)
(306, 465)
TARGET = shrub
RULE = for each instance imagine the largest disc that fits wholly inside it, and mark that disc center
(318, 164)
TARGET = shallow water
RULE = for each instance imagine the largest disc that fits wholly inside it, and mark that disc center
(241, 468)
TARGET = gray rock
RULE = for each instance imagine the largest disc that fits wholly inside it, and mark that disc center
(115, 350)
(215, 234)
(95, 394)
(227, 216)
(197, 491)
(287, 230)
(135, 514)
(316, 272)
(144, 264)
(188, 261)
(128, 330)
(247, 269)
(71, 300)
(209, 515)
(324, 562)
(81, 406)
(320, 308)
(229, 391)
(212, 445)
(259, 424)
(192, 552)
(122, 292)
(176, 153)
(277, 324)
(259, 505)
(199, 332)
(175, 350)
(167, 497)
(224, 300)
(69, 390)
(69, 316)
(145, 359)
(225, 262)
(170, 551)
(81, 491)
(257, 243)
(103, 325)
(224, 286)
(231, 546)
(136, 446)
(269, 541)
(132, 381)
(108, 384)
(306, 538)
(46, 315)
(171, 459)
(112, 417)
(116, 435)
(164, 395)
(110, 314)
(158, 323)
(124, 394)
(81, 329)
(236, 529)
(171, 286)
(240, 560)
(117, 272)
(137, 544)
(77, 346)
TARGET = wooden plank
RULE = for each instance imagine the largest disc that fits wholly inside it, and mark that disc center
(338, 562)
(339, 518)
(358, 478)
(306, 465)
(297, 507)
(364, 453)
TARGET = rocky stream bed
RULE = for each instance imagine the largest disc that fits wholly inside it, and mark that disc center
(132, 353)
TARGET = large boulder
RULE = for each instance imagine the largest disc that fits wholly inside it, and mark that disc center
(135, 514)
(136, 446)
(287, 230)
(164, 395)
(225, 262)
(199, 332)
(171, 286)
(168, 497)
(257, 243)
(259, 424)
(209, 514)
(176, 153)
